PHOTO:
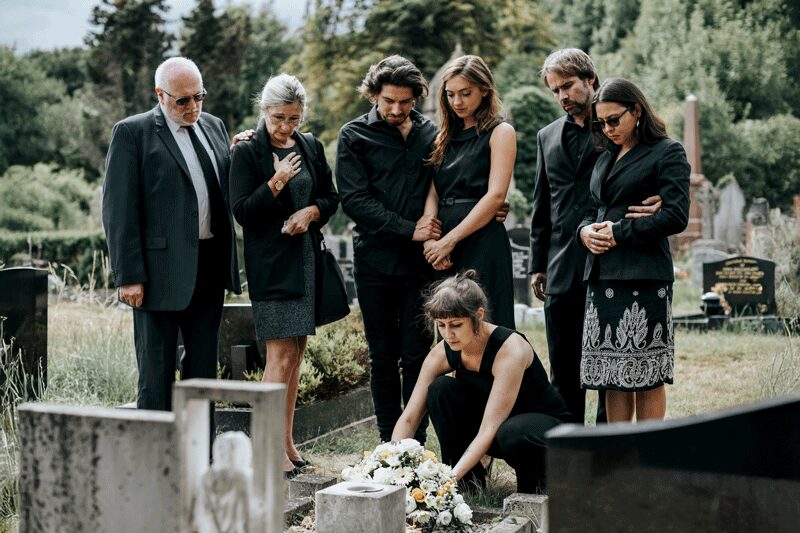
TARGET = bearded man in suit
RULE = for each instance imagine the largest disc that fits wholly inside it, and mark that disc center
(169, 231)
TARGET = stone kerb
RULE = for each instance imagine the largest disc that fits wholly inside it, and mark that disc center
(191, 399)
(97, 469)
(737, 469)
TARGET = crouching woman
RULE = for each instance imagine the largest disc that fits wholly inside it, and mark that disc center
(499, 401)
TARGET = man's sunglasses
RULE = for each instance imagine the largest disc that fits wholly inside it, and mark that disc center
(183, 100)
(611, 121)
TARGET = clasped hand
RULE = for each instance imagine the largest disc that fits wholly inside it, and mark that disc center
(599, 237)
(437, 253)
(299, 221)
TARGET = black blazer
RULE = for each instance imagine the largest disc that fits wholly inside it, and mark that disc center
(560, 198)
(150, 210)
(274, 261)
(642, 250)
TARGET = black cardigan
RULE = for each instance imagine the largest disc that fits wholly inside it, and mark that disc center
(273, 260)
(642, 250)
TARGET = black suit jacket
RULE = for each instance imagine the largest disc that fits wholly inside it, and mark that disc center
(642, 250)
(560, 199)
(274, 261)
(150, 210)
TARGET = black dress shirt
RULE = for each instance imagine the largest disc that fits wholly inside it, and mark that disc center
(383, 182)
(576, 138)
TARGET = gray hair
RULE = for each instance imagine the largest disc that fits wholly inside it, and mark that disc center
(172, 65)
(279, 90)
(570, 62)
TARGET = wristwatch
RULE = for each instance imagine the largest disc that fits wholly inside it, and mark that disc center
(278, 184)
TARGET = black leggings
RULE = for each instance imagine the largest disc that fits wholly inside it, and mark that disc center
(456, 410)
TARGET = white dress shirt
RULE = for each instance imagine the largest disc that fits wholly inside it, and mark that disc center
(195, 170)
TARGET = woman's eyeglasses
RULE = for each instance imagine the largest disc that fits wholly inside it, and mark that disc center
(611, 121)
(183, 100)
(289, 121)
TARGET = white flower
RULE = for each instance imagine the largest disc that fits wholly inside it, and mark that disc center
(383, 475)
(430, 500)
(463, 513)
(428, 470)
(458, 499)
(403, 476)
(444, 518)
(410, 446)
(427, 485)
(393, 460)
(422, 517)
(410, 503)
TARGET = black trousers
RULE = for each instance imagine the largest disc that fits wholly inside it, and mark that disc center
(156, 335)
(398, 339)
(563, 315)
(456, 410)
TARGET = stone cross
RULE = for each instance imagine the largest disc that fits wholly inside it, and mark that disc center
(691, 142)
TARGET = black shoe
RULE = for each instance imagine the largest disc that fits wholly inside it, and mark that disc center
(300, 463)
(294, 472)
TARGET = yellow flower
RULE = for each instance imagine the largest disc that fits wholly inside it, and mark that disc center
(418, 495)
(428, 455)
(367, 454)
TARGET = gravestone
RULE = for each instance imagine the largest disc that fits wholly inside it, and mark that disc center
(520, 238)
(729, 220)
(358, 507)
(747, 283)
(23, 301)
(97, 469)
(734, 470)
(705, 251)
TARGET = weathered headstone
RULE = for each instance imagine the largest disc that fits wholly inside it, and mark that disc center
(705, 251)
(520, 238)
(747, 283)
(23, 301)
(734, 470)
(97, 469)
(192, 419)
(357, 507)
(729, 220)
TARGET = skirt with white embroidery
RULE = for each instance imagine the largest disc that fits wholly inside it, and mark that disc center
(628, 340)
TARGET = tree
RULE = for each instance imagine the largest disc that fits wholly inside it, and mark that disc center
(531, 108)
(24, 89)
(125, 50)
(65, 64)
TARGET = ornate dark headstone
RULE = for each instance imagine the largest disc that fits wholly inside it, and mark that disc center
(734, 470)
(747, 283)
(23, 301)
(520, 238)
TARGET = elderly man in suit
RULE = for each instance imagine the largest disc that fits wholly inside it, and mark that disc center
(565, 159)
(169, 231)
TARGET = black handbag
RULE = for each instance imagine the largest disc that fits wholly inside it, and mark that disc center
(331, 297)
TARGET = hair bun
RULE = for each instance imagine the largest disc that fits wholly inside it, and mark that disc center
(470, 274)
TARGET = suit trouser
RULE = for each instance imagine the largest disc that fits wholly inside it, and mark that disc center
(456, 410)
(563, 315)
(156, 336)
(391, 307)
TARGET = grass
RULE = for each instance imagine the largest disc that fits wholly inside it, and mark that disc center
(92, 362)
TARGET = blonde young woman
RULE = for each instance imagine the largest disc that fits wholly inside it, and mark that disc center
(474, 156)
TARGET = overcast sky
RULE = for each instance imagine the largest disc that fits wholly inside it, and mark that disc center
(48, 24)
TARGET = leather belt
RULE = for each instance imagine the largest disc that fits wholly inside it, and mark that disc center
(453, 201)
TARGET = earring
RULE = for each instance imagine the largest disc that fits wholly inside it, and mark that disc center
(637, 122)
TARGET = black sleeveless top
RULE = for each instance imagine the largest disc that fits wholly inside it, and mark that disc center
(536, 394)
(464, 173)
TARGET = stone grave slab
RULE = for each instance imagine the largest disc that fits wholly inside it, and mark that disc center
(520, 239)
(736, 469)
(748, 284)
(97, 469)
(357, 507)
(23, 301)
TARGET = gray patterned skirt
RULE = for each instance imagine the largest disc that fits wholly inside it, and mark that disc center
(628, 340)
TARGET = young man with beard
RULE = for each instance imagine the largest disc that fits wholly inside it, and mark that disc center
(565, 159)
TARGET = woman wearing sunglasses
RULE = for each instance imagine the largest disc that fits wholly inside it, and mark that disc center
(282, 193)
(628, 341)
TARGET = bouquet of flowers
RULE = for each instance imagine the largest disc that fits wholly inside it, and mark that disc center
(432, 499)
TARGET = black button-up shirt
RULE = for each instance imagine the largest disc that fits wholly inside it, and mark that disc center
(576, 137)
(383, 182)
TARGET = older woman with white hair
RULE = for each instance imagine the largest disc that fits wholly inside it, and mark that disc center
(282, 193)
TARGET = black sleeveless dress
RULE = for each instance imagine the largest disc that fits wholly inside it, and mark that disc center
(536, 394)
(461, 181)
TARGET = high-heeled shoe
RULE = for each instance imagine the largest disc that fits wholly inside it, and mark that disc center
(294, 472)
(300, 463)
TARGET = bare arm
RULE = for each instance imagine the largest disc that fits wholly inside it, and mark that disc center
(503, 143)
(434, 366)
(512, 359)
